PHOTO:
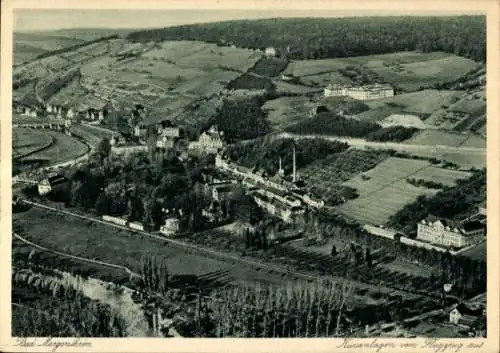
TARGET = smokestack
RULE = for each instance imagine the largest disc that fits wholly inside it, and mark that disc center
(294, 166)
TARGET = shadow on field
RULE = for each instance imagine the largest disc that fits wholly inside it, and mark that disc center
(206, 282)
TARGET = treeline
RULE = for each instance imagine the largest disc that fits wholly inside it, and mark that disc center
(317, 38)
(452, 203)
(265, 153)
(42, 308)
(242, 119)
(75, 47)
(425, 183)
(50, 86)
(332, 124)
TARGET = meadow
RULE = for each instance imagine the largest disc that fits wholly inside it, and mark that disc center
(122, 247)
(421, 103)
(285, 111)
(27, 141)
(64, 148)
(406, 70)
(384, 189)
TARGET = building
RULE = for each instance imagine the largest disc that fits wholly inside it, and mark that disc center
(465, 316)
(167, 129)
(53, 184)
(316, 203)
(117, 140)
(270, 52)
(170, 227)
(220, 190)
(210, 141)
(363, 93)
(140, 130)
(278, 208)
(450, 234)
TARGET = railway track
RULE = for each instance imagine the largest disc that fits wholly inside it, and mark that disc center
(252, 263)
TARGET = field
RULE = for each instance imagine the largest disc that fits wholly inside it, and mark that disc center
(165, 76)
(120, 247)
(324, 176)
(384, 190)
(64, 148)
(26, 141)
(285, 111)
(407, 70)
(421, 103)
(90, 134)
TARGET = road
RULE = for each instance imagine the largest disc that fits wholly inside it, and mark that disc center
(249, 263)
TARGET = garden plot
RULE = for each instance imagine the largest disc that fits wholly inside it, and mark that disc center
(384, 190)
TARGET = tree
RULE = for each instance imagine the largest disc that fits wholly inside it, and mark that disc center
(103, 149)
(102, 204)
(333, 252)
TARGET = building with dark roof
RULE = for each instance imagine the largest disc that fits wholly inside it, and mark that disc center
(450, 233)
(52, 184)
(465, 316)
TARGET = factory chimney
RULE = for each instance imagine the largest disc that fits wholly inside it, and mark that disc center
(294, 176)
(281, 172)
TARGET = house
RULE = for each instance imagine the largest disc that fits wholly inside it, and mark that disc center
(54, 184)
(140, 130)
(221, 191)
(170, 227)
(270, 52)
(277, 208)
(164, 142)
(449, 233)
(309, 200)
(209, 141)
(167, 129)
(117, 140)
(465, 316)
(363, 93)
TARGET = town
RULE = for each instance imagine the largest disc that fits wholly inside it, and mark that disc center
(275, 173)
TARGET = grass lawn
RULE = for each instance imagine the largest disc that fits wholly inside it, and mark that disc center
(120, 247)
(64, 148)
(384, 190)
(26, 141)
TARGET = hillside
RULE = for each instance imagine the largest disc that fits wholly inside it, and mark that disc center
(307, 38)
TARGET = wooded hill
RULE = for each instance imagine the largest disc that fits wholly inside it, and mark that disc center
(316, 38)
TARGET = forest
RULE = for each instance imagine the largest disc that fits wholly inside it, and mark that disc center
(265, 153)
(329, 123)
(242, 119)
(318, 38)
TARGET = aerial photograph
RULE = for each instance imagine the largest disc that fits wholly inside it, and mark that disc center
(248, 174)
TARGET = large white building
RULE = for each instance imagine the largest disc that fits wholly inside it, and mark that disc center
(209, 141)
(368, 92)
(450, 234)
